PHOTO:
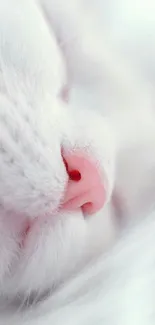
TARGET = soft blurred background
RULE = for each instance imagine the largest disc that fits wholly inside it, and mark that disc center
(129, 25)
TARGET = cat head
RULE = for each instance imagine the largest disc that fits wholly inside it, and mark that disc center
(56, 163)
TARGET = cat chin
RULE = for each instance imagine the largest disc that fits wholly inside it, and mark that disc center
(59, 248)
(115, 287)
(52, 249)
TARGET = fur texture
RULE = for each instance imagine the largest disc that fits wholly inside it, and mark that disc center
(45, 45)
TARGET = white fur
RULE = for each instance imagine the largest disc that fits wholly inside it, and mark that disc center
(118, 288)
(44, 45)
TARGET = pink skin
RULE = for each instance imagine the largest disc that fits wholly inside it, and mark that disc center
(85, 188)
(64, 94)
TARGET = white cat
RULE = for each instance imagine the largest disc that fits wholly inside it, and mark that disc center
(47, 236)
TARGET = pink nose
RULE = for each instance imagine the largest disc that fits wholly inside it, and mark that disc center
(85, 189)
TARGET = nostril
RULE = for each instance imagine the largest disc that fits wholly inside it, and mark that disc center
(88, 208)
(74, 175)
(85, 189)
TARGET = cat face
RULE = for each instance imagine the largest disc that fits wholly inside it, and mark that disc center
(47, 151)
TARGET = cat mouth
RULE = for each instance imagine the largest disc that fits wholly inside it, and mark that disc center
(40, 222)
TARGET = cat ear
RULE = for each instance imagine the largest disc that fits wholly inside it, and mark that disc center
(85, 188)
